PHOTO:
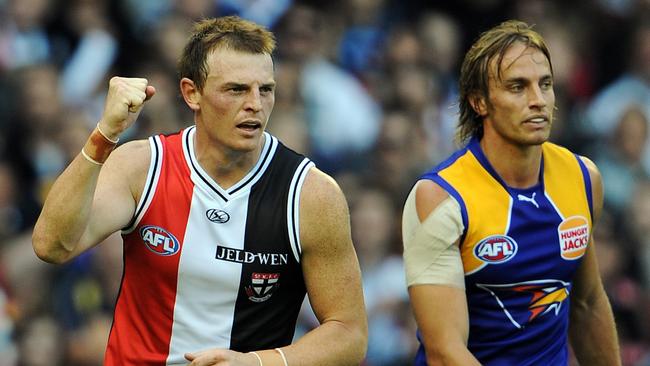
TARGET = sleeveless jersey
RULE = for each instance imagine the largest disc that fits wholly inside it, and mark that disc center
(520, 250)
(206, 267)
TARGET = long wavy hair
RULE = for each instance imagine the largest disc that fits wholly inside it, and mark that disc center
(474, 73)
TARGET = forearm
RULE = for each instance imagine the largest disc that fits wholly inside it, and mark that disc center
(450, 355)
(66, 211)
(332, 343)
(593, 333)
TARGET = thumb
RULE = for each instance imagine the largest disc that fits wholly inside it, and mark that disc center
(190, 356)
(150, 91)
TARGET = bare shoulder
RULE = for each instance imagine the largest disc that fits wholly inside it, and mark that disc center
(129, 163)
(428, 195)
(594, 173)
(319, 188)
(324, 213)
(596, 185)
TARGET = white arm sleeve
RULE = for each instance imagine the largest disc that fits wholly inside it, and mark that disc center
(431, 253)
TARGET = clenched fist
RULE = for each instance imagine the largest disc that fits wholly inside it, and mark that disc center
(124, 101)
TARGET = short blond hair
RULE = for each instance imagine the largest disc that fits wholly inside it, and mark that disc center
(230, 32)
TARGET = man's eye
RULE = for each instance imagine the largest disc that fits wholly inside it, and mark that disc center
(516, 87)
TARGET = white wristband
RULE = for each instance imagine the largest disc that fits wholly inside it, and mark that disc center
(83, 153)
(258, 358)
(106, 137)
(284, 359)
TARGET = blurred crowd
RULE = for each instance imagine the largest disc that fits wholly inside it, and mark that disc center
(366, 88)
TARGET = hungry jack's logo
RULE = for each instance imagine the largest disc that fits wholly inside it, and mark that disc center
(540, 297)
(573, 234)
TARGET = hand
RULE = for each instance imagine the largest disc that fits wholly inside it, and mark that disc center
(124, 101)
(221, 357)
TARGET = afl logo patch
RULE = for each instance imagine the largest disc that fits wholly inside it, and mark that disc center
(218, 216)
(573, 234)
(496, 249)
(159, 240)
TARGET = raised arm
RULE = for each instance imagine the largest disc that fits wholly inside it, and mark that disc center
(592, 330)
(91, 200)
(435, 279)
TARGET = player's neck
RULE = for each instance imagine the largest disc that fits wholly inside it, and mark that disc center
(225, 166)
(517, 165)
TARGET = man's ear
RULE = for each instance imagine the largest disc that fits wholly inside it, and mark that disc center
(479, 105)
(191, 94)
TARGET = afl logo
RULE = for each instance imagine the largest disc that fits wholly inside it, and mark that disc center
(159, 240)
(218, 216)
(496, 249)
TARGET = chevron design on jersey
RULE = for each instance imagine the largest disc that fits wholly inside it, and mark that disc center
(545, 296)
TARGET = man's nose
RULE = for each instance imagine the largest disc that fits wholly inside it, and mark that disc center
(536, 97)
(254, 100)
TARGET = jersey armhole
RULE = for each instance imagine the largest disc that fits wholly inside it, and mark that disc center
(455, 195)
(293, 206)
(587, 181)
(150, 186)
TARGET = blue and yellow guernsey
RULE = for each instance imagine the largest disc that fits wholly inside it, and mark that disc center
(520, 250)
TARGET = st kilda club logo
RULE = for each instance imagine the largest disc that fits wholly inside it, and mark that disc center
(262, 286)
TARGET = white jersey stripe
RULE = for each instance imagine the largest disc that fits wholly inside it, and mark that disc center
(207, 289)
(293, 206)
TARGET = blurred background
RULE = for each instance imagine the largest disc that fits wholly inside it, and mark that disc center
(366, 88)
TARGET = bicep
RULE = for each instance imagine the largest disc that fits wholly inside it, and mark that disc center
(442, 317)
(586, 282)
(328, 259)
(114, 201)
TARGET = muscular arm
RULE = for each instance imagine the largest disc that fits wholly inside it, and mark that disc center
(440, 309)
(88, 202)
(332, 277)
(591, 329)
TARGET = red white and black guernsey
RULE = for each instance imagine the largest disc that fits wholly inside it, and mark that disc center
(206, 267)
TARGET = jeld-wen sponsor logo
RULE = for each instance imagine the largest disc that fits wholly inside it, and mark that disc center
(243, 256)
(573, 234)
